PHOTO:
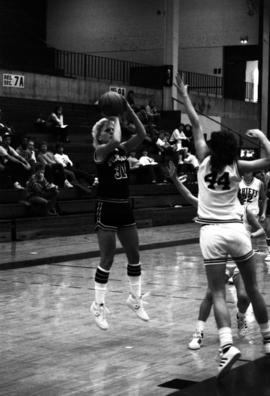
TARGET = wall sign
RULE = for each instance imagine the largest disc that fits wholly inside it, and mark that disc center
(120, 90)
(13, 80)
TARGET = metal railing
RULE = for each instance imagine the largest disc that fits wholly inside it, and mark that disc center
(87, 66)
(80, 65)
(203, 83)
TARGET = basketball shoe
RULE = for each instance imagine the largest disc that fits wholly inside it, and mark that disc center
(227, 359)
(99, 312)
(241, 326)
(196, 341)
(136, 305)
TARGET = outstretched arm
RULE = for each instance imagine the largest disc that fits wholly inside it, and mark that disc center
(189, 197)
(199, 141)
(262, 163)
(256, 226)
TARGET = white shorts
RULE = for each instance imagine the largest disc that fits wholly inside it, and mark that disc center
(217, 241)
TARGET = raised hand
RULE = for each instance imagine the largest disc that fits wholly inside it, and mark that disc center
(254, 133)
(180, 85)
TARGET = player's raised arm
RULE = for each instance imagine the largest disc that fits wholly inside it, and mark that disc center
(199, 140)
(183, 190)
(262, 163)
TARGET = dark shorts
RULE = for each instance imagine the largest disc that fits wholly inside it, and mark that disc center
(113, 215)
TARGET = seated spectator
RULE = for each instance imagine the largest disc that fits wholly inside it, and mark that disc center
(42, 194)
(131, 100)
(142, 115)
(55, 124)
(177, 137)
(16, 169)
(152, 112)
(27, 150)
(192, 160)
(77, 176)
(188, 131)
(163, 141)
(54, 172)
(152, 168)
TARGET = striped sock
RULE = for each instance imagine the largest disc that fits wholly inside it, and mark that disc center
(225, 338)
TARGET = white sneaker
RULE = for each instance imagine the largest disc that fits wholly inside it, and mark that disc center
(267, 258)
(136, 304)
(227, 359)
(99, 313)
(196, 341)
(68, 184)
(241, 326)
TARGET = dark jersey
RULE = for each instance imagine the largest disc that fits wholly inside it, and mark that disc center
(113, 176)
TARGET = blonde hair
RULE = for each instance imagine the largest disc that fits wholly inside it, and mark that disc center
(96, 130)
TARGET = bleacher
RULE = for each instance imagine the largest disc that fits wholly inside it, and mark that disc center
(80, 117)
(155, 204)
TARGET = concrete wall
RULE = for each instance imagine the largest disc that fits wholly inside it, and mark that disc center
(60, 89)
(134, 30)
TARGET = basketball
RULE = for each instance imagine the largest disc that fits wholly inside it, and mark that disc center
(112, 104)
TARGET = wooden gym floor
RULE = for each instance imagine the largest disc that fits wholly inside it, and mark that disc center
(49, 344)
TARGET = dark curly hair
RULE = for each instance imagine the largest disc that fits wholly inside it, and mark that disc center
(223, 149)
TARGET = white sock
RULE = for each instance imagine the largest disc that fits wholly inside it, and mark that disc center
(200, 326)
(225, 337)
(135, 284)
(100, 292)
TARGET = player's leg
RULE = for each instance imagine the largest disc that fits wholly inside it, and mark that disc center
(248, 272)
(128, 236)
(242, 303)
(107, 245)
(204, 312)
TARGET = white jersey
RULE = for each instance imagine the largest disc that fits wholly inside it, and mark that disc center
(218, 194)
(249, 194)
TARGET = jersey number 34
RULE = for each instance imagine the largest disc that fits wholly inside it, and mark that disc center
(214, 181)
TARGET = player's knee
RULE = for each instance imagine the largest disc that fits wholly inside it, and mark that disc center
(243, 299)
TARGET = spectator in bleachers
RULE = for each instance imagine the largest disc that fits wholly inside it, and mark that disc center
(42, 194)
(152, 112)
(163, 141)
(192, 160)
(27, 150)
(142, 115)
(188, 131)
(151, 167)
(17, 169)
(77, 176)
(54, 172)
(177, 137)
(131, 100)
(55, 124)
